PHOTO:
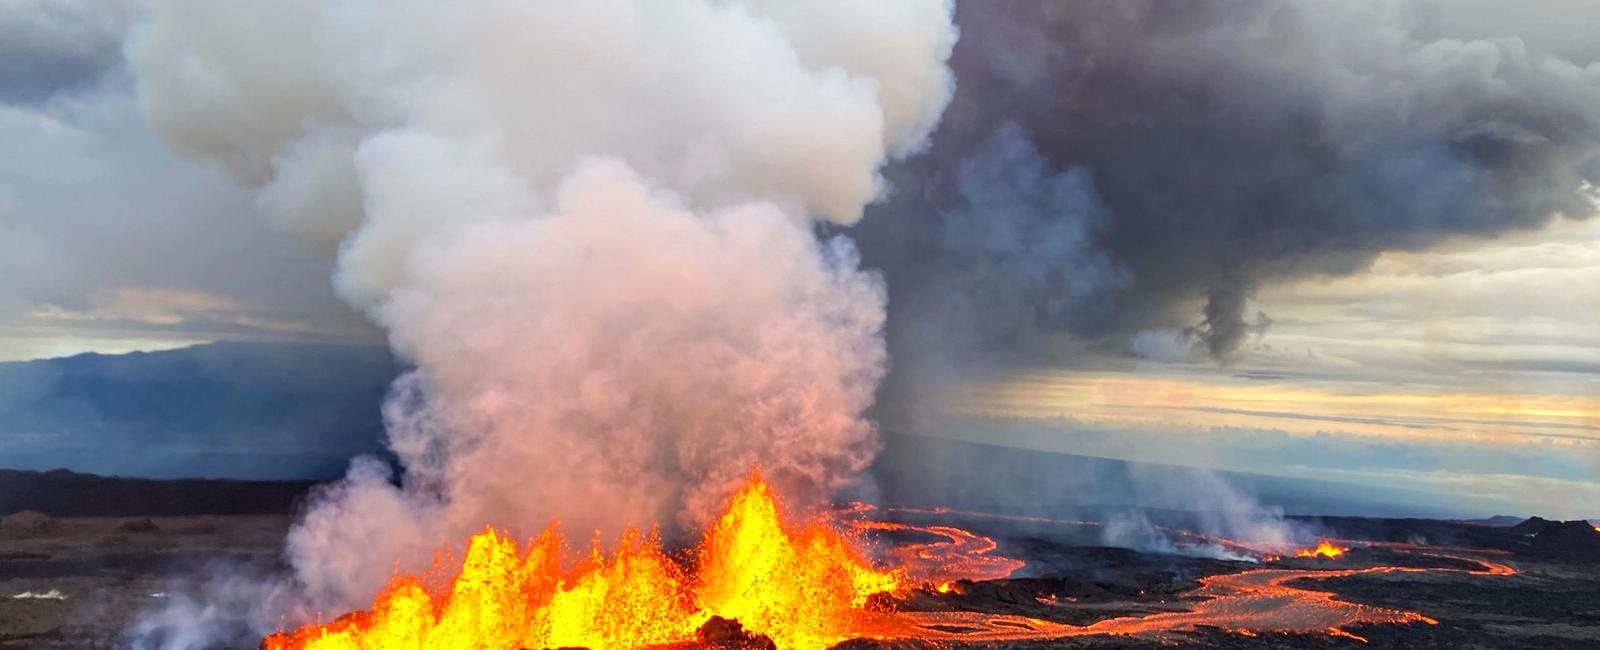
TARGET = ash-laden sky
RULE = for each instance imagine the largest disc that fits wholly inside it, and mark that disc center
(1351, 242)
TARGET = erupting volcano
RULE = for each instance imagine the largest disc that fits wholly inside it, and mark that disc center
(803, 586)
(623, 251)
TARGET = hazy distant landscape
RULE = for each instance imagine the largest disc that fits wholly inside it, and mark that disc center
(225, 410)
(264, 411)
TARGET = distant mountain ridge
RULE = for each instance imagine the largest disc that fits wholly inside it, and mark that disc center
(62, 493)
(234, 410)
(269, 411)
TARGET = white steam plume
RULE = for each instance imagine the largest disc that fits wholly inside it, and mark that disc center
(590, 224)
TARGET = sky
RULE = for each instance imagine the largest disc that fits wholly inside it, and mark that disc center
(1465, 365)
(1469, 372)
(110, 242)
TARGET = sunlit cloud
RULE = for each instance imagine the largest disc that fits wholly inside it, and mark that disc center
(1302, 406)
(145, 319)
(1469, 373)
(1516, 314)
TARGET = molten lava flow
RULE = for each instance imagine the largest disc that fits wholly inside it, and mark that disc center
(1324, 549)
(804, 587)
(1248, 603)
(956, 554)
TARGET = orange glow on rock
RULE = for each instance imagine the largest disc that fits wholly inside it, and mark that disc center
(805, 587)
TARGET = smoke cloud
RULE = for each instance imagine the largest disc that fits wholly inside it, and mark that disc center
(1205, 502)
(1204, 149)
(591, 226)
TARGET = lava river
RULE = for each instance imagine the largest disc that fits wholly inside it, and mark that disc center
(804, 586)
(1250, 603)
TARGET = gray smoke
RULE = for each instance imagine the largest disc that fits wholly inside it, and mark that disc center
(1108, 167)
(1015, 255)
(1211, 505)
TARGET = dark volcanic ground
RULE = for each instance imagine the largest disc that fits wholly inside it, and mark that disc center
(77, 582)
(1552, 601)
(1547, 605)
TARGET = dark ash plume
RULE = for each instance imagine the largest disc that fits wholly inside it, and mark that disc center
(1211, 147)
(1224, 327)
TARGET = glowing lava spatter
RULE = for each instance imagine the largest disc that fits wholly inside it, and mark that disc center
(805, 587)
(1323, 549)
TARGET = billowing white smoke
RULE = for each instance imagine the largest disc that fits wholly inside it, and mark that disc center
(590, 224)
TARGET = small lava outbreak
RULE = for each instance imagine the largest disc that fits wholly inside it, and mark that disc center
(1324, 549)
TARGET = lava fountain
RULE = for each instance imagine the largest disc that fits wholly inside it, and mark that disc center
(1323, 549)
(805, 587)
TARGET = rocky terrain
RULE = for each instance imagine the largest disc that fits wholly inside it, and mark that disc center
(78, 582)
(61, 493)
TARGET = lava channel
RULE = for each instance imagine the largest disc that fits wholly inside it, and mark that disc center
(954, 554)
(1252, 602)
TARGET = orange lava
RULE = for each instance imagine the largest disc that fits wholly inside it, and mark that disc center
(957, 555)
(805, 587)
(1324, 549)
(1252, 602)
(1249, 603)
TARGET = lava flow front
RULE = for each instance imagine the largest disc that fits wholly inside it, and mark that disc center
(804, 587)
